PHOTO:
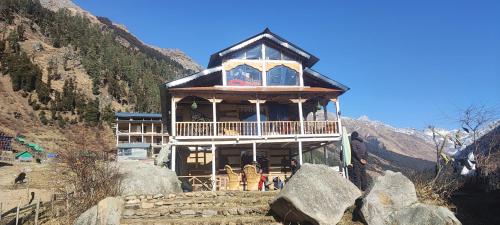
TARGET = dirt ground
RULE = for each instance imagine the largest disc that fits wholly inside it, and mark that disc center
(40, 180)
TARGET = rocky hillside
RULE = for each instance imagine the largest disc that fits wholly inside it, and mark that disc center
(63, 68)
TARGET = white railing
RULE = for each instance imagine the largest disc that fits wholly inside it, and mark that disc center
(267, 128)
(321, 127)
(194, 129)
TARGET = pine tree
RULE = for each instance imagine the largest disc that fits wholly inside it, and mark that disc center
(91, 114)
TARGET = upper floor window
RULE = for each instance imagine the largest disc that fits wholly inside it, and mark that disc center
(254, 52)
(244, 75)
(282, 76)
(274, 54)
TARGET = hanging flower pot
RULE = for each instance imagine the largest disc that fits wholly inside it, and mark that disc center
(194, 105)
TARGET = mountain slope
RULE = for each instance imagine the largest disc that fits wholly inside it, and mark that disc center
(62, 69)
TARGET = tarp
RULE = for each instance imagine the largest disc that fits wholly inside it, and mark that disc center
(346, 148)
(35, 147)
(24, 155)
(21, 140)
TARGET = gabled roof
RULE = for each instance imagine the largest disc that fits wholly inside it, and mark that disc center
(192, 77)
(309, 59)
(138, 115)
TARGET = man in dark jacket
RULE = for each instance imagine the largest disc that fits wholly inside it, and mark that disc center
(359, 156)
(295, 166)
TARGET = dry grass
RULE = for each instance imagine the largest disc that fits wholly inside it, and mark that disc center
(436, 190)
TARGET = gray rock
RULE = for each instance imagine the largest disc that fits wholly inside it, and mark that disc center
(393, 200)
(187, 212)
(390, 192)
(147, 180)
(208, 213)
(316, 194)
(423, 214)
(107, 212)
(128, 212)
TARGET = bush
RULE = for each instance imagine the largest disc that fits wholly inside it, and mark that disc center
(436, 190)
(43, 118)
(91, 178)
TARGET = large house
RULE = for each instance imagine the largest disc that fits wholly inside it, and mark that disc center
(256, 101)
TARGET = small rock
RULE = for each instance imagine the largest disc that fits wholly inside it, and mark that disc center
(158, 196)
(149, 196)
(133, 201)
(147, 205)
(171, 195)
(132, 197)
(187, 212)
(159, 203)
(128, 212)
(208, 213)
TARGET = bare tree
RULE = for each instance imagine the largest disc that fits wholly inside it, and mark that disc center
(440, 141)
(472, 120)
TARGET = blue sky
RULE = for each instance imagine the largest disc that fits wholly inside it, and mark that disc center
(409, 64)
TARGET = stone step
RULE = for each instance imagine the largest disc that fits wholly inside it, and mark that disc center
(189, 212)
(214, 220)
(219, 201)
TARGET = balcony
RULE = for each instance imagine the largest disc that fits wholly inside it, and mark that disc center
(251, 129)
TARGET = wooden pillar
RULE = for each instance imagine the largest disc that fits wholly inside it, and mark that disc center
(214, 182)
(301, 113)
(337, 109)
(257, 103)
(142, 132)
(173, 158)
(214, 114)
(173, 108)
(129, 130)
(300, 153)
(254, 152)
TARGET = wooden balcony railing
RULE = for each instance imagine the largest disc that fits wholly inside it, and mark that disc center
(243, 128)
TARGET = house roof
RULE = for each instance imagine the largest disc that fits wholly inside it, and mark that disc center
(134, 145)
(257, 89)
(325, 79)
(138, 115)
(310, 60)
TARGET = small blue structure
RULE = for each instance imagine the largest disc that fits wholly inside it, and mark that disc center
(133, 151)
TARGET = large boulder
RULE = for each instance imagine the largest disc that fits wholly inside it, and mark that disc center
(316, 194)
(423, 214)
(146, 179)
(107, 212)
(393, 200)
(390, 192)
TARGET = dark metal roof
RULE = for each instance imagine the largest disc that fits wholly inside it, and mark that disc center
(309, 71)
(138, 115)
(134, 145)
(310, 60)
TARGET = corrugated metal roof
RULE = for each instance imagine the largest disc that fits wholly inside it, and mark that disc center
(134, 145)
(138, 115)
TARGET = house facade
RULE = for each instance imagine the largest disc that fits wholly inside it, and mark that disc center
(258, 101)
(139, 135)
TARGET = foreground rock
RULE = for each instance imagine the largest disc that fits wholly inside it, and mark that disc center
(393, 200)
(315, 195)
(146, 179)
(107, 212)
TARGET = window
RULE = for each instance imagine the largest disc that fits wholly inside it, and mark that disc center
(274, 54)
(244, 75)
(254, 52)
(282, 76)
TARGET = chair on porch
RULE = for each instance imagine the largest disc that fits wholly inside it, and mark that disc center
(252, 177)
(234, 179)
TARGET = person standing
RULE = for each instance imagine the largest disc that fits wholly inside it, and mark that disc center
(359, 157)
(295, 166)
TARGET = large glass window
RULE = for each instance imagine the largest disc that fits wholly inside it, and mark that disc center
(244, 75)
(254, 52)
(272, 53)
(282, 76)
